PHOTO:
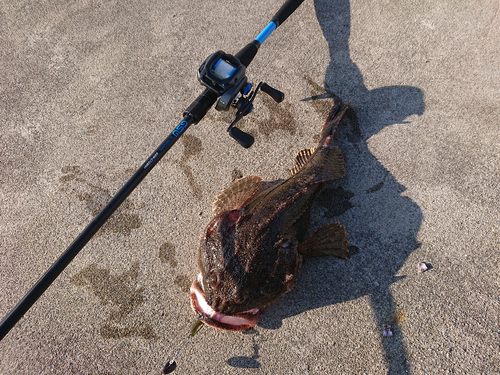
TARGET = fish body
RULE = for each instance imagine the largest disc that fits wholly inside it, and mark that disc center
(251, 251)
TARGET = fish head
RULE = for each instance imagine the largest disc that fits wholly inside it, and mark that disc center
(240, 273)
(216, 295)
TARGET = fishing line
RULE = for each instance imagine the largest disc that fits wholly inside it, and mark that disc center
(171, 364)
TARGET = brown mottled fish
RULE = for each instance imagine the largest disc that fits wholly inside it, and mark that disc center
(252, 249)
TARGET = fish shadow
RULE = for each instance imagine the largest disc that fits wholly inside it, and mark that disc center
(382, 224)
(248, 362)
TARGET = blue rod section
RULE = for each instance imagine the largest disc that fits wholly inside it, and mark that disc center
(261, 38)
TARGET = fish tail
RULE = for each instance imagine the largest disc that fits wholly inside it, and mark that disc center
(329, 162)
(326, 162)
(332, 121)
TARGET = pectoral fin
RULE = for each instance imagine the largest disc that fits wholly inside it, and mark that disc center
(236, 194)
(330, 239)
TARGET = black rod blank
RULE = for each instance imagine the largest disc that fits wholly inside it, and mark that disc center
(192, 115)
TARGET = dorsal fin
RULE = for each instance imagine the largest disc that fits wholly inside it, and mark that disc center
(334, 166)
(301, 158)
(236, 194)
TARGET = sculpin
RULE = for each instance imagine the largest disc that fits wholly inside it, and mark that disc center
(251, 251)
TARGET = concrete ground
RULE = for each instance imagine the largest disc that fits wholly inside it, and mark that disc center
(88, 89)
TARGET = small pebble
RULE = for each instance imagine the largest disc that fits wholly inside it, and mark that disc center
(387, 331)
(169, 367)
(422, 267)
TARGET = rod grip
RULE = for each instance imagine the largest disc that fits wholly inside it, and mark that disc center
(286, 10)
(247, 53)
(199, 108)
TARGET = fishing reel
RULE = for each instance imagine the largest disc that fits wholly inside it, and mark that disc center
(224, 75)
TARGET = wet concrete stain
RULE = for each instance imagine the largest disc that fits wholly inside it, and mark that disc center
(167, 254)
(95, 199)
(336, 201)
(121, 292)
(143, 330)
(192, 148)
(280, 117)
(183, 282)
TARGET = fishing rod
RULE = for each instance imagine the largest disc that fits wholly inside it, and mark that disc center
(226, 85)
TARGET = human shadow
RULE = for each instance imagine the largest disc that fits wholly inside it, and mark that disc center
(382, 224)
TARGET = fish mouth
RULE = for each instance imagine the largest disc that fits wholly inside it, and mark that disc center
(238, 322)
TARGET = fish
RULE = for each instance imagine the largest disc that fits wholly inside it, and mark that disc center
(252, 249)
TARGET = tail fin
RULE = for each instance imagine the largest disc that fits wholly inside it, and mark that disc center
(326, 162)
(332, 121)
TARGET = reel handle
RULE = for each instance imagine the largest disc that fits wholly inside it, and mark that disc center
(244, 139)
(277, 95)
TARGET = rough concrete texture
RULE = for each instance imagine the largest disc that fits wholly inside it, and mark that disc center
(88, 89)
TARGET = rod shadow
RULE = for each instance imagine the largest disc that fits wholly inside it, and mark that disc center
(382, 224)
